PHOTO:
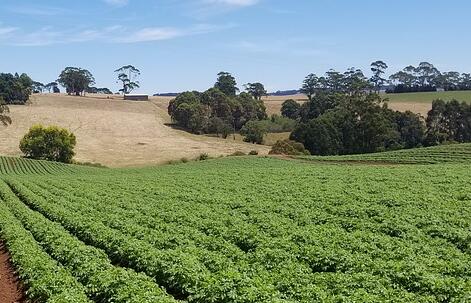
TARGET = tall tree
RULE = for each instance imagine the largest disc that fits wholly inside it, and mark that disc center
(291, 109)
(128, 75)
(76, 80)
(310, 86)
(378, 68)
(227, 84)
(257, 90)
(427, 74)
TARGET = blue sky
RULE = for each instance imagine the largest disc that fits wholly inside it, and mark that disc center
(182, 44)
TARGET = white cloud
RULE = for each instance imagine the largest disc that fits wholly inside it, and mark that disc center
(240, 3)
(117, 2)
(151, 34)
(112, 34)
(5, 31)
(37, 10)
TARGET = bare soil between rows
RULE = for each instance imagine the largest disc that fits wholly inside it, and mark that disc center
(10, 287)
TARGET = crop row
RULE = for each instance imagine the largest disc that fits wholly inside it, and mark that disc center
(178, 270)
(90, 266)
(456, 153)
(20, 166)
(45, 279)
(329, 242)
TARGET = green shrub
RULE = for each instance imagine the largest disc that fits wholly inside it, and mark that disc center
(288, 147)
(91, 164)
(253, 153)
(238, 154)
(253, 132)
(48, 143)
(203, 156)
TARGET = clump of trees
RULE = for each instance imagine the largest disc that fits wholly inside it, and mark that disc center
(218, 110)
(15, 89)
(346, 117)
(76, 80)
(48, 143)
(52, 86)
(448, 122)
(99, 90)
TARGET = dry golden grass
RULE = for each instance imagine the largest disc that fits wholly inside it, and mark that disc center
(273, 104)
(114, 132)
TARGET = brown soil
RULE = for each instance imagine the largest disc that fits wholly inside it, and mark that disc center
(10, 288)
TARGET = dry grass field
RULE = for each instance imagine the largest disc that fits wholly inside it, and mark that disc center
(114, 132)
(419, 103)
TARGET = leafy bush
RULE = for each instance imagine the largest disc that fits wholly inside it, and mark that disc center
(48, 143)
(278, 124)
(288, 147)
(253, 153)
(238, 154)
(253, 132)
(203, 156)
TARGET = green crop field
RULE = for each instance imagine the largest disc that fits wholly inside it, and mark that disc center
(428, 97)
(241, 229)
(454, 153)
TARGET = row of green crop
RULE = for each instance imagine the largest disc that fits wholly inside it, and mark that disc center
(90, 266)
(281, 230)
(178, 270)
(45, 279)
(456, 153)
(20, 166)
(105, 212)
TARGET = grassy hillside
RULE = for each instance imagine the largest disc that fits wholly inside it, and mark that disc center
(455, 153)
(259, 229)
(428, 97)
(114, 132)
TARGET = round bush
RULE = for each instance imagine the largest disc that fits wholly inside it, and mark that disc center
(288, 147)
(48, 143)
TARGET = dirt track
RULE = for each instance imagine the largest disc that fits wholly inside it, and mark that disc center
(113, 132)
(10, 291)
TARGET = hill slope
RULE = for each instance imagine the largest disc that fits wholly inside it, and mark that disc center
(113, 132)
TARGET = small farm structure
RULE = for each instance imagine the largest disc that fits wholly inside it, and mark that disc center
(136, 97)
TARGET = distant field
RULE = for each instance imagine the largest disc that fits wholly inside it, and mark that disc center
(455, 153)
(416, 102)
(428, 97)
(261, 230)
(114, 132)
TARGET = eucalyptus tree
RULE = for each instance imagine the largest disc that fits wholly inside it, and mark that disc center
(127, 76)
(378, 68)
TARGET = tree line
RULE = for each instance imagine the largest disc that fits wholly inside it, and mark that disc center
(422, 78)
(344, 117)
